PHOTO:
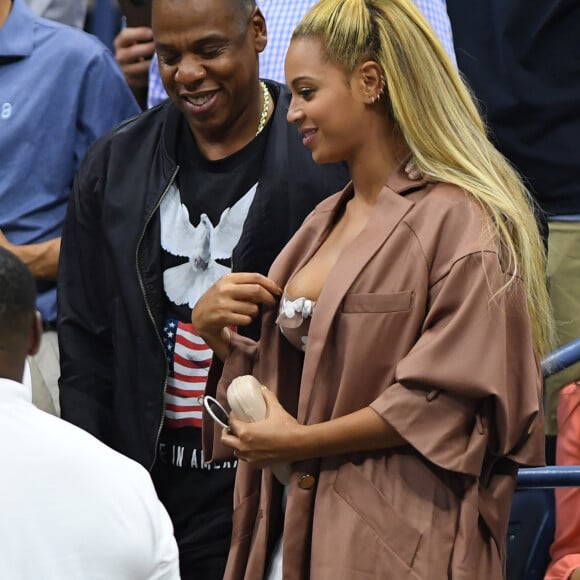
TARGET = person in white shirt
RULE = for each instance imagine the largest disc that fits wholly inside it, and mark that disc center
(71, 507)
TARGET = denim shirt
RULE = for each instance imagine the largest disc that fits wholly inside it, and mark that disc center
(60, 89)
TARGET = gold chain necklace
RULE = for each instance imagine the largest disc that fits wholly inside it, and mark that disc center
(265, 107)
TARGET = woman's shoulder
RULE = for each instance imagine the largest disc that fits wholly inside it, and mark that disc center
(449, 223)
(446, 209)
(447, 201)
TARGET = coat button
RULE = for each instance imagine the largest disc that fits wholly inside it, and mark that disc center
(306, 481)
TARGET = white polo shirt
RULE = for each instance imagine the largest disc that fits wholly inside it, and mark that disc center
(71, 508)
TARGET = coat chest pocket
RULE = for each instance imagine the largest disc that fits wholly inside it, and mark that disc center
(378, 303)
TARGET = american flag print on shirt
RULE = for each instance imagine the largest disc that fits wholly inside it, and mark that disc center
(189, 359)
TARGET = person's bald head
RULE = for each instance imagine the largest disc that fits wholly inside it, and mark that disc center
(19, 323)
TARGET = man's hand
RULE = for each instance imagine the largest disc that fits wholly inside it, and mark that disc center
(234, 300)
(134, 48)
(41, 258)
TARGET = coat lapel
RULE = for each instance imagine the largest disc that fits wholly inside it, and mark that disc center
(390, 209)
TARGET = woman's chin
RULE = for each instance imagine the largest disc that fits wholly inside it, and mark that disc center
(323, 157)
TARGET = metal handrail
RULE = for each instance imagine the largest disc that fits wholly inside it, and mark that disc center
(549, 477)
(563, 357)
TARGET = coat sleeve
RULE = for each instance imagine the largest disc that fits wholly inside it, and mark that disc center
(241, 361)
(471, 384)
(84, 299)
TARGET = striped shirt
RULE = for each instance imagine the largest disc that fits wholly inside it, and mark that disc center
(282, 17)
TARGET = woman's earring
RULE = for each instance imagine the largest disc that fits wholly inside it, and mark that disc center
(412, 171)
(377, 97)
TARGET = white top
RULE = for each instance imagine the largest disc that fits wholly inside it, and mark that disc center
(26, 378)
(72, 508)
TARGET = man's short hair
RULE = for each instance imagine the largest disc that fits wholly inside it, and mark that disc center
(249, 4)
(17, 293)
(246, 5)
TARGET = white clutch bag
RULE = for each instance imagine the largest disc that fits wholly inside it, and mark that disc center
(246, 400)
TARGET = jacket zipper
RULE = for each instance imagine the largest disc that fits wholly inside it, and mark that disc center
(150, 313)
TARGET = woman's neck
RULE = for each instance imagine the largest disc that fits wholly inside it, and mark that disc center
(373, 164)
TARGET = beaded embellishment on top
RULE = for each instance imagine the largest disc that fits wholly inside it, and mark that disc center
(294, 319)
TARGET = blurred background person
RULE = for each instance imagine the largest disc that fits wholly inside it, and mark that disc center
(60, 89)
(134, 46)
(520, 60)
(565, 550)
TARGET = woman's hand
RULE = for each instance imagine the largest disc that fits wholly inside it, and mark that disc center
(273, 440)
(281, 439)
(234, 300)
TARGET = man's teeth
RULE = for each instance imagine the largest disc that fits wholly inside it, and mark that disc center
(201, 99)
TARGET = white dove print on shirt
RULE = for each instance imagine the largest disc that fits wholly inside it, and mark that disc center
(202, 244)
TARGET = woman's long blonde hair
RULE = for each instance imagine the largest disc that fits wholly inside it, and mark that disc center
(443, 128)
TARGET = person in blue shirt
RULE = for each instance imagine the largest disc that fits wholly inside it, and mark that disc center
(60, 89)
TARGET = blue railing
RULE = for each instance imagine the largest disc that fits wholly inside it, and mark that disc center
(532, 516)
(549, 477)
(561, 358)
(560, 475)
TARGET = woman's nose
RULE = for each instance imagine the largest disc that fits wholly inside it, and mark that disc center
(294, 114)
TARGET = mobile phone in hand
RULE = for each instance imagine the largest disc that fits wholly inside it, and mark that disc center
(136, 12)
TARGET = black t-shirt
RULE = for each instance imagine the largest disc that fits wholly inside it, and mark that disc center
(521, 59)
(210, 187)
(217, 195)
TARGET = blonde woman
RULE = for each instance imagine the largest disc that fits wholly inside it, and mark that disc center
(401, 330)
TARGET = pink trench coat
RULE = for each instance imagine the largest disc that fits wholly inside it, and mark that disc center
(405, 323)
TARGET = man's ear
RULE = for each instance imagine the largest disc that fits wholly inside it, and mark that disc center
(259, 30)
(35, 334)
